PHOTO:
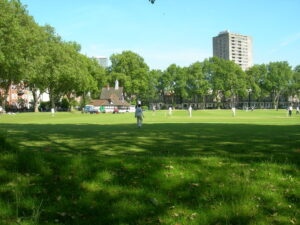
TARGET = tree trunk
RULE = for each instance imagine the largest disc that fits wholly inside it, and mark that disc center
(70, 100)
(276, 100)
(5, 95)
(51, 99)
(36, 98)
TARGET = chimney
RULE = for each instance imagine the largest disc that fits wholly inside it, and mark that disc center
(117, 85)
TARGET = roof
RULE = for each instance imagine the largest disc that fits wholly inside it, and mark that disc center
(113, 102)
(106, 93)
(111, 97)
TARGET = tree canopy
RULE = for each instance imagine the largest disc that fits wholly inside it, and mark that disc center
(37, 57)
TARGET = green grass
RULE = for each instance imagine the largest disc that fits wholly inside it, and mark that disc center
(101, 169)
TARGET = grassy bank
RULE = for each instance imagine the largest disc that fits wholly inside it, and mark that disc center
(101, 169)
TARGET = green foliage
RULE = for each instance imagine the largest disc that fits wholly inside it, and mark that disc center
(279, 77)
(16, 28)
(132, 72)
(44, 106)
(226, 78)
(37, 56)
(65, 104)
(145, 108)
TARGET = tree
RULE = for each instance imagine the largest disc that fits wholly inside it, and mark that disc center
(175, 79)
(154, 88)
(197, 84)
(227, 79)
(16, 28)
(295, 85)
(98, 74)
(256, 81)
(279, 77)
(132, 73)
(167, 82)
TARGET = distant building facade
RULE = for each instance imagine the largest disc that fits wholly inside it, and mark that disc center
(103, 61)
(234, 47)
(18, 96)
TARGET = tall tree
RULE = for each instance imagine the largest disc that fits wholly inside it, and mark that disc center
(279, 77)
(197, 84)
(154, 88)
(15, 33)
(227, 79)
(167, 82)
(132, 72)
(256, 81)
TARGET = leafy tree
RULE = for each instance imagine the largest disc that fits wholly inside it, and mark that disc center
(99, 74)
(154, 89)
(15, 35)
(279, 77)
(227, 79)
(175, 82)
(256, 81)
(197, 84)
(35, 61)
(295, 85)
(132, 73)
(167, 82)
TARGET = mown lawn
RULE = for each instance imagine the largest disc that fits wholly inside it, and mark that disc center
(101, 169)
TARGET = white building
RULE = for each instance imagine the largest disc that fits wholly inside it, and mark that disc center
(234, 47)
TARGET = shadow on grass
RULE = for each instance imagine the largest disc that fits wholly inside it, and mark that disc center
(160, 174)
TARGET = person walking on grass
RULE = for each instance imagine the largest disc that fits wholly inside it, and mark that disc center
(170, 110)
(297, 110)
(233, 111)
(190, 111)
(139, 116)
(290, 110)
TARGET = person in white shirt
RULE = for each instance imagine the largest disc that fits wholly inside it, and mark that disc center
(233, 111)
(52, 111)
(190, 111)
(139, 116)
(290, 110)
(297, 110)
(170, 111)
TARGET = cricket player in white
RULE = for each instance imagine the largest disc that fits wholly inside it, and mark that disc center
(139, 115)
(190, 111)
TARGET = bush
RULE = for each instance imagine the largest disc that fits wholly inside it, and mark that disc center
(144, 107)
(65, 105)
(44, 106)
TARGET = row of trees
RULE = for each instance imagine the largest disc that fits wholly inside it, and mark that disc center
(37, 57)
(220, 79)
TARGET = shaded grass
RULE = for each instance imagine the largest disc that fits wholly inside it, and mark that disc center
(80, 169)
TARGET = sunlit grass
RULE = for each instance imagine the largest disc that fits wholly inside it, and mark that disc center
(101, 169)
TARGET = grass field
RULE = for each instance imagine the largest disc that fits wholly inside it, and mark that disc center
(101, 169)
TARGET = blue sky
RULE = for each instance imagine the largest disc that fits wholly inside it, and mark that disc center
(173, 31)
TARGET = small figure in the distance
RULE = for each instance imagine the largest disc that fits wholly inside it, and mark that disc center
(139, 116)
(290, 110)
(190, 111)
(233, 111)
(52, 111)
(170, 110)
